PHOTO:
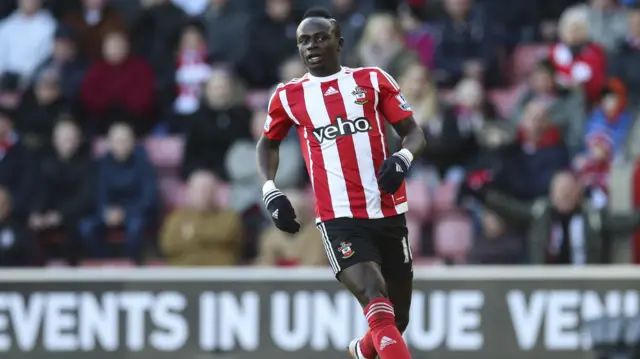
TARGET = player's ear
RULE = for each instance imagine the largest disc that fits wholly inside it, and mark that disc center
(340, 44)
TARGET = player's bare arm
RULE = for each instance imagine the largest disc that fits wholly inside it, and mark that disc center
(281, 210)
(268, 153)
(412, 136)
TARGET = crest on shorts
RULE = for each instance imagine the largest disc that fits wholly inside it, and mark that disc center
(345, 250)
(361, 95)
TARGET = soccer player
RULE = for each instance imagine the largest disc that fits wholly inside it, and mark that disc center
(339, 114)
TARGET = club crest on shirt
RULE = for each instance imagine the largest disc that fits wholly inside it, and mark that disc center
(345, 250)
(361, 95)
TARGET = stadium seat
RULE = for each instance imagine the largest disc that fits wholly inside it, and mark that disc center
(505, 99)
(453, 237)
(172, 192)
(525, 58)
(445, 197)
(123, 263)
(419, 200)
(165, 152)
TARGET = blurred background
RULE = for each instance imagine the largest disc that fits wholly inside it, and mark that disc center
(128, 129)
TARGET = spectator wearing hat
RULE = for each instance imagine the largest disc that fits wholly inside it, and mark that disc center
(25, 39)
(612, 116)
(93, 22)
(67, 62)
(16, 165)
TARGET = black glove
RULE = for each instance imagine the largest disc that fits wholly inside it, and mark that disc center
(393, 171)
(281, 210)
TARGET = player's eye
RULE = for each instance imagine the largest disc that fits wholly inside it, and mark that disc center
(304, 41)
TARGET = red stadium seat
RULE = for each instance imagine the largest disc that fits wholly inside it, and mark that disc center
(453, 236)
(420, 200)
(125, 263)
(505, 99)
(172, 192)
(525, 58)
(445, 197)
(165, 152)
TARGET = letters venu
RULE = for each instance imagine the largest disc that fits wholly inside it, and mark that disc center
(342, 127)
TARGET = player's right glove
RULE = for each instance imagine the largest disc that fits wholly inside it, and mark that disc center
(282, 213)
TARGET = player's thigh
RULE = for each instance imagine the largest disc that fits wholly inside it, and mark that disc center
(347, 243)
(393, 243)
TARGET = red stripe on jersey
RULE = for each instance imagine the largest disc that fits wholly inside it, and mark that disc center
(347, 150)
(312, 153)
(377, 137)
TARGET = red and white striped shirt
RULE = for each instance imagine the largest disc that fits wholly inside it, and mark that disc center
(340, 122)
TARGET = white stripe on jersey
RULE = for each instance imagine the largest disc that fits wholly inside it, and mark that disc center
(285, 104)
(362, 144)
(376, 87)
(314, 101)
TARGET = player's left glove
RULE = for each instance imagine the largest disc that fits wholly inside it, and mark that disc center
(393, 171)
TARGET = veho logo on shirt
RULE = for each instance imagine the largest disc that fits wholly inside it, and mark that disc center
(342, 127)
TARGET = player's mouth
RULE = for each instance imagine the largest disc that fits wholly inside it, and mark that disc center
(314, 59)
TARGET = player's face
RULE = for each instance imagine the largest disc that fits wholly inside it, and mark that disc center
(319, 47)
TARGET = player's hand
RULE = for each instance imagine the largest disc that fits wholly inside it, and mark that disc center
(282, 213)
(393, 171)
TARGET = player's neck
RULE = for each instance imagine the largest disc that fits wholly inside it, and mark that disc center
(326, 72)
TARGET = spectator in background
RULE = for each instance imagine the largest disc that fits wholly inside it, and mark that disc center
(16, 165)
(25, 39)
(529, 164)
(420, 91)
(40, 108)
(626, 57)
(304, 248)
(220, 21)
(271, 41)
(155, 36)
(565, 227)
(498, 243)
(94, 22)
(418, 36)
(246, 186)
(567, 108)
(66, 61)
(202, 233)
(607, 23)
(192, 69)
(382, 45)
(467, 47)
(221, 120)
(455, 145)
(119, 88)
(17, 246)
(127, 195)
(352, 22)
(612, 118)
(579, 63)
(593, 165)
(64, 190)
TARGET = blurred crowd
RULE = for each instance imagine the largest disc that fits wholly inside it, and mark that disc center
(128, 128)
